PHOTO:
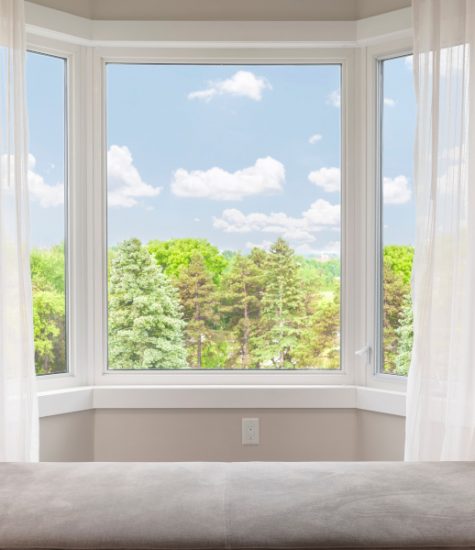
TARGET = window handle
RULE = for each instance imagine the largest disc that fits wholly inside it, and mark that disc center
(365, 352)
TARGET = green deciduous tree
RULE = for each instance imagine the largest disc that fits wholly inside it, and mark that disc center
(176, 254)
(145, 317)
(199, 298)
(48, 284)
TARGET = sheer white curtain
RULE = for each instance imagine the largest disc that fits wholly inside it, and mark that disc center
(18, 406)
(440, 421)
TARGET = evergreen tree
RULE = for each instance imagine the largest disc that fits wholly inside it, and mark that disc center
(145, 318)
(199, 299)
(405, 335)
(282, 308)
(242, 290)
(395, 292)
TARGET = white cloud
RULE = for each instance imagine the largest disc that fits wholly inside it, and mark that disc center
(326, 178)
(40, 191)
(242, 83)
(396, 190)
(125, 183)
(321, 215)
(314, 138)
(196, 220)
(266, 176)
(46, 195)
(389, 102)
(334, 98)
(409, 62)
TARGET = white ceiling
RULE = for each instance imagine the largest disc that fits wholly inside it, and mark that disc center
(230, 10)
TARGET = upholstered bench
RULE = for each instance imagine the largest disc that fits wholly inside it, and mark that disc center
(237, 505)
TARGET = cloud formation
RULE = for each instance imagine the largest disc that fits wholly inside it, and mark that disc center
(396, 190)
(46, 195)
(315, 138)
(125, 184)
(321, 215)
(389, 102)
(241, 84)
(329, 179)
(334, 98)
(266, 176)
(39, 191)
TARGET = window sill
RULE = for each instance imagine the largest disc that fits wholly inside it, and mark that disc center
(221, 397)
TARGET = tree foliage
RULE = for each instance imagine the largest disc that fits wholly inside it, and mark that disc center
(176, 254)
(145, 317)
(49, 306)
(182, 303)
(199, 298)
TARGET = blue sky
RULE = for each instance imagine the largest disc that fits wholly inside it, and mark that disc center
(236, 154)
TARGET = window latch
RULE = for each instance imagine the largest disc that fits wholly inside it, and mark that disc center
(364, 352)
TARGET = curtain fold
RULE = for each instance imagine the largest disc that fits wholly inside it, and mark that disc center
(18, 400)
(440, 422)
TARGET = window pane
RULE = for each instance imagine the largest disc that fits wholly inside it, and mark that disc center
(398, 212)
(46, 179)
(224, 216)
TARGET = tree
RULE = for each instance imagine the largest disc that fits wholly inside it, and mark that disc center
(405, 335)
(395, 292)
(282, 307)
(145, 317)
(198, 295)
(49, 331)
(242, 291)
(319, 345)
(399, 259)
(176, 254)
(48, 278)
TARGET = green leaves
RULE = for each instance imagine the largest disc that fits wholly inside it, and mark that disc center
(145, 317)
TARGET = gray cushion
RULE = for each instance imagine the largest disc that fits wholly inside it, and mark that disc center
(237, 505)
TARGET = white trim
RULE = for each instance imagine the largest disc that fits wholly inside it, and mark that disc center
(222, 397)
(373, 55)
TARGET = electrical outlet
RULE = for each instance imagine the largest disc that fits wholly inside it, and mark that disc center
(250, 431)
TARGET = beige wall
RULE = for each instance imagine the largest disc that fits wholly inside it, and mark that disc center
(211, 434)
(67, 437)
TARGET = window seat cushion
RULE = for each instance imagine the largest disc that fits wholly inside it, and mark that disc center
(237, 505)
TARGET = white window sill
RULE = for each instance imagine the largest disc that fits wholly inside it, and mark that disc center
(221, 397)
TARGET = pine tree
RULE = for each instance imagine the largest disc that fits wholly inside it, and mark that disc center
(145, 318)
(199, 300)
(282, 305)
(405, 334)
(395, 291)
(242, 290)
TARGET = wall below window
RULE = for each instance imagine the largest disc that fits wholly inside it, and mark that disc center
(215, 435)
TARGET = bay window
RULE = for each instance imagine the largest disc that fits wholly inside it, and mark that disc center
(220, 210)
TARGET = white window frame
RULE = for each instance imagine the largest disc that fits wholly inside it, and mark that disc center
(277, 56)
(88, 46)
(375, 55)
(74, 212)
